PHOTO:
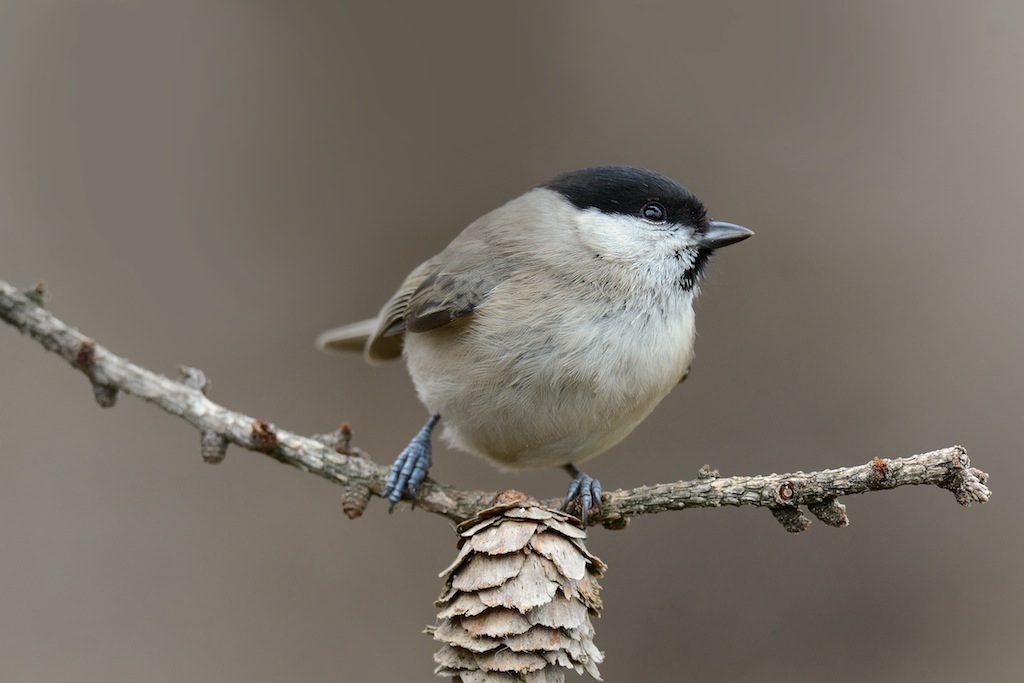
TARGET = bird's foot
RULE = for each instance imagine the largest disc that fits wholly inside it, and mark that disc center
(410, 468)
(583, 490)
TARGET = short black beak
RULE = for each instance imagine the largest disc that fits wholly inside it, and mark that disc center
(722, 234)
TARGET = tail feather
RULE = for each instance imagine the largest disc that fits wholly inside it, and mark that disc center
(352, 337)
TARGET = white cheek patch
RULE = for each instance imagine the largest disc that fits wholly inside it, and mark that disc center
(618, 236)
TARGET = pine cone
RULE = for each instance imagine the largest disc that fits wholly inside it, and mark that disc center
(518, 599)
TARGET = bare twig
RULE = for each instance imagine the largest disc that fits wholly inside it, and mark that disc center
(333, 457)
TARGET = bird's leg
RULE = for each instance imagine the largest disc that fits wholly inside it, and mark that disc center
(410, 469)
(585, 488)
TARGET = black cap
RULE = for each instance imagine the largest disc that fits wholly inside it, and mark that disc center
(627, 190)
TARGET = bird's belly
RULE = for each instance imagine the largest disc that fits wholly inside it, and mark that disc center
(532, 401)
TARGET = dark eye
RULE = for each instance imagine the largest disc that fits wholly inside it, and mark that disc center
(653, 212)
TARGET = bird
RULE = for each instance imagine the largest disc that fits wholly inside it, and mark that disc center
(550, 327)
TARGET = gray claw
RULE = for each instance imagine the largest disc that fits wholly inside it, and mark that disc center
(410, 468)
(586, 489)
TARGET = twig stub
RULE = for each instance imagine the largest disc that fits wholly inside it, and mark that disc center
(263, 437)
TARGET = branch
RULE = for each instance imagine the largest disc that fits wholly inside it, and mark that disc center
(332, 456)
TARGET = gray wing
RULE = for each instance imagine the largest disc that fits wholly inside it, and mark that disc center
(386, 341)
(432, 296)
(443, 298)
(380, 338)
(439, 292)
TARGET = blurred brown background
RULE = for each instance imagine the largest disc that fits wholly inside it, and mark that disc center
(214, 183)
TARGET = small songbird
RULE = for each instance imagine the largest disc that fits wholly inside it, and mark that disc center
(551, 326)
